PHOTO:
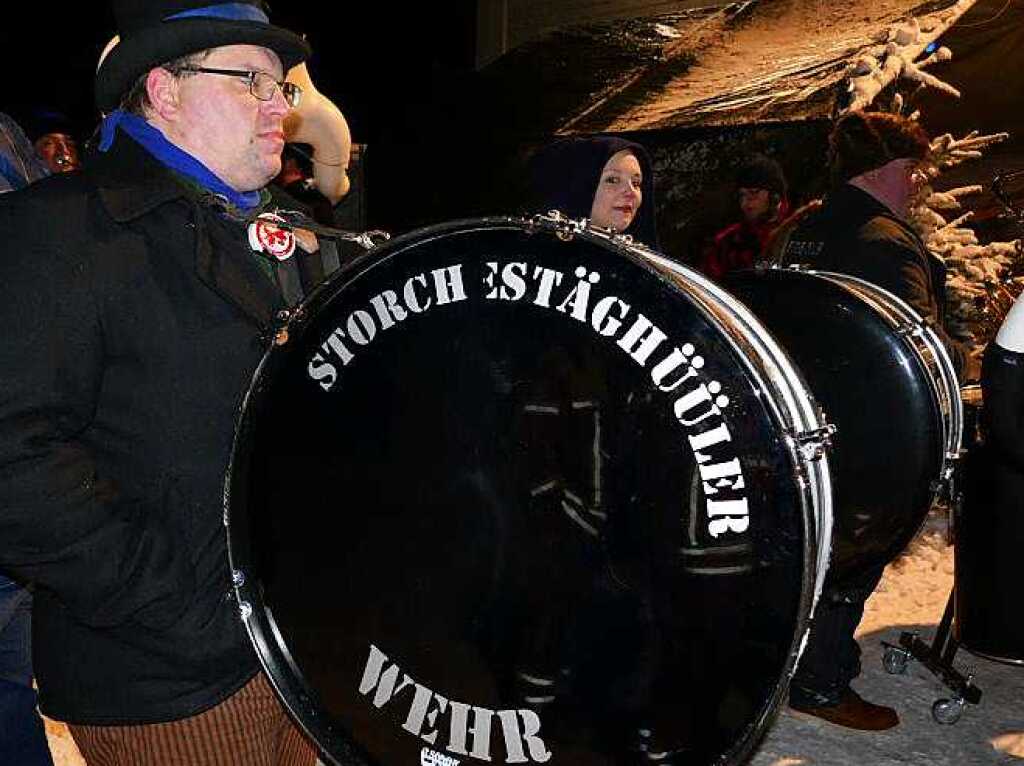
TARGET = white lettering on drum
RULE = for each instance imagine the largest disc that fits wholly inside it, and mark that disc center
(420, 293)
(578, 301)
(520, 729)
(697, 402)
(549, 279)
(601, 320)
(388, 310)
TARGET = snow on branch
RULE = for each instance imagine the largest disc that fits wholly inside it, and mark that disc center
(877, 69)
(950, 199)
(979, 281)
(948, 151)
(977, 272)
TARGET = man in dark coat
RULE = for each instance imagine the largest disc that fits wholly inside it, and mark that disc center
(861, 229)
(137, 298)
(53, 136)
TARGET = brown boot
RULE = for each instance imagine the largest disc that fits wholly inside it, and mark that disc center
(854, 712)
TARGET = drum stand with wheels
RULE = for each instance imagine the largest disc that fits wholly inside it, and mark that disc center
(938, 659)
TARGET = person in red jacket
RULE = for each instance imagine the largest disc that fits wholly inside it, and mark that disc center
(761, 194)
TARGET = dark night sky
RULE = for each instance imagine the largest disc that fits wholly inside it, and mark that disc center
(363, 59)
(396, 72)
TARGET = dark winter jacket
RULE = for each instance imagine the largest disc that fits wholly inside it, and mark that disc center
(565, 174)
(132, 316)
(853, 233)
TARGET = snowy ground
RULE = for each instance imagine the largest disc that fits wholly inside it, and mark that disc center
(912, 596)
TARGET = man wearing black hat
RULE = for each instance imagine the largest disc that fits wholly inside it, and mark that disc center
(878, 163)
(761, 196)
(136, 305)
(52, 135)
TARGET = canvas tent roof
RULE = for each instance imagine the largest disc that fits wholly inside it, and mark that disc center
(753, 62)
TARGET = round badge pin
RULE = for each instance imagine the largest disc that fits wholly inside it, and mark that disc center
(266, 236)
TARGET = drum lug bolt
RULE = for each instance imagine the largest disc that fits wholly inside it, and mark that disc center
(244, 610)
(284, 316)
(911, 330)
(370, 239)
(564, 227)
(812, 444)
(237, 578)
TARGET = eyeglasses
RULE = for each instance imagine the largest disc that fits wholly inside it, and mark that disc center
(261, 85)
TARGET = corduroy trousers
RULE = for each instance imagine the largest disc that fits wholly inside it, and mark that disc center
(249, 728)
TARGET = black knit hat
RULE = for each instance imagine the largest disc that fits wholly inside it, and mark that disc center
(153, 32)
(565, 174)
(42, 122)
(761, 172)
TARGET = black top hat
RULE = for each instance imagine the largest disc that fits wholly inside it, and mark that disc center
(153, 32)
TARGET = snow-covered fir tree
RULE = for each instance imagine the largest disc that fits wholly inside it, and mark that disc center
(978, 290)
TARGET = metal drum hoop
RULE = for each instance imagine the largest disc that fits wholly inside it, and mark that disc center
(798, 414)
(919, 335)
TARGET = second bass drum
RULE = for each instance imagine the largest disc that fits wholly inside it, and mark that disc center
(886, 383)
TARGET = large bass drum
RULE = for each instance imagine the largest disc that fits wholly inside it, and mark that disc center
(517, 491)
(887, 384)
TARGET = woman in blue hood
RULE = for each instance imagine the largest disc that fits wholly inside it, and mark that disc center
(604, 178)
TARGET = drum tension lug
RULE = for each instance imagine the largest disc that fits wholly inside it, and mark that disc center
(370, 239)
(915, 330)
(244, 610)
(564, 227)
(282, 319)
(813, 444)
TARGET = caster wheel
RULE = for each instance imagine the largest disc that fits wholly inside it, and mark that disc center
(895, 661)
(947, 711)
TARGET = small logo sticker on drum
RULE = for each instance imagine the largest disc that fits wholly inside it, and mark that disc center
(430, 757)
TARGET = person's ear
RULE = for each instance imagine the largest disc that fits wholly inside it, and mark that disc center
(162, 87)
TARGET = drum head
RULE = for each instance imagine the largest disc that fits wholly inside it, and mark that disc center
(888, 450)
(506, 498)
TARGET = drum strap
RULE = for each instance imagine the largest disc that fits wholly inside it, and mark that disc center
(296, 219)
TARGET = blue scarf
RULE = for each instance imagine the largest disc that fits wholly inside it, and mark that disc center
(172, 156)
